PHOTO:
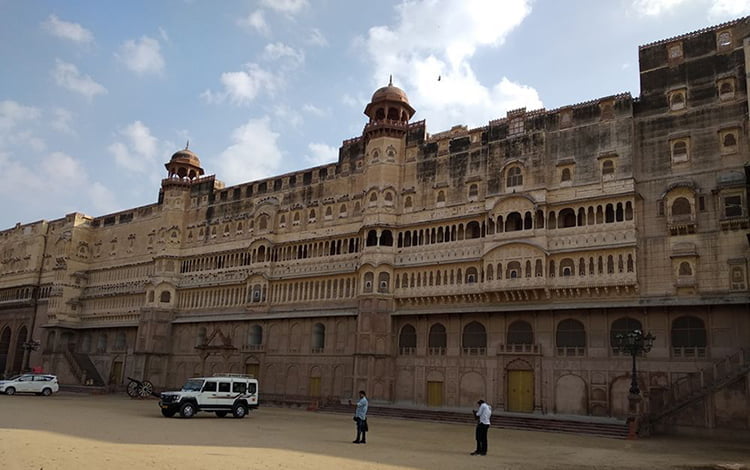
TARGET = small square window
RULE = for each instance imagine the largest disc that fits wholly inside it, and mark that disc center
(733, 206)
(674, 51)
(724, 40)
(680, 150)
(726, 89)
(677, 100)
(728, 141)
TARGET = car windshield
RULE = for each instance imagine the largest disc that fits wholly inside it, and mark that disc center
(15, 377)
(192, 385)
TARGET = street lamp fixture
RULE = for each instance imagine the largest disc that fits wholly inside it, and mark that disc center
(634, 343)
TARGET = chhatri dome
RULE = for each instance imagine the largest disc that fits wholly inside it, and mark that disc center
(389, 103)
(184, 164)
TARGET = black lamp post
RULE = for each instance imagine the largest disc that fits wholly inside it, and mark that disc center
(634, 343)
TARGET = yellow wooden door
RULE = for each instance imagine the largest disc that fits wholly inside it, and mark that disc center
(314, 386)
(521, 390)
(434, 393)
(252, 369)
(116, 375)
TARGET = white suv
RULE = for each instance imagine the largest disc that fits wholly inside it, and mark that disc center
(41, 384)
(221, 394)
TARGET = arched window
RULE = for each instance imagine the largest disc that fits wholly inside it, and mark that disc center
(474, 339)
(165, 297)
(200, 340)
(386, 238)
(437, 340)
(677, 101)
(513, 222)
(473, 230)
(319, 337)
(622, 326)
(565, 176)
(471, 275)
(101, 344)
(570, 338)
(372, 238)
(407, 202)
(685, 269)
(407, 340)
(520, 332)
(513, 270)
(681, 206)
(441, 197)
(473, 191)
(255, 336)
(566, 218)
(120, 341)
(679, 151)
(515, 177)
(688, 337)
(608, 167)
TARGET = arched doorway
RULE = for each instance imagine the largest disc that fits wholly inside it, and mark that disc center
(4, 349)
(18, 355)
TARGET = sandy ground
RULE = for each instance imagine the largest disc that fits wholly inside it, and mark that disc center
(73, 431)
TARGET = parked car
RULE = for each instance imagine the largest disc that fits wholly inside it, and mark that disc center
(221, 394)
(41, 384)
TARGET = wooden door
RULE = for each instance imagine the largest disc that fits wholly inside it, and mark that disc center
(314, 386)
(521, 390)
(434, 393)
(116, 376)
(252, 369)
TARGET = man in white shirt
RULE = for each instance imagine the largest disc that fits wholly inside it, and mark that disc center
(483, 424)
(360, 417)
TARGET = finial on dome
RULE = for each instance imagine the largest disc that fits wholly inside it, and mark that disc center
(390, 80)
(187, 144)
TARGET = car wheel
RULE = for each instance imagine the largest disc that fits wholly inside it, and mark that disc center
(187, 410)
(221, 414)
(167, 413)
(10, 391)
(47, 392)
(239, 411)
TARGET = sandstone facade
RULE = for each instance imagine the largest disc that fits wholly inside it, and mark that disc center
(433, 269)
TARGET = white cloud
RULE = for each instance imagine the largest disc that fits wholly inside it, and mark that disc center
(257, 21)
(67, 76)
(52, 186)
(15, 119)
(66, 30)
(254, 153)
(140, 150)
(142, 56)
(721, 10)
(280, 51)
(103, 198)
(288, 115)
(61, 121)
(321, 153)
(655, 7)
(316, 38)
(288, 7)
(243, 87)
(437, 39)
(12, 113)
(312, 109)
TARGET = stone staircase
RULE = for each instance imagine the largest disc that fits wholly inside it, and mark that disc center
(698, 385)
(83, 369)
(591, 427)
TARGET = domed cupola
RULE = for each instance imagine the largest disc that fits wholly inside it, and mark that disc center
(389, 112)
(184, 164)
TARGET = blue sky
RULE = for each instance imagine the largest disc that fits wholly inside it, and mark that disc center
(96, 96)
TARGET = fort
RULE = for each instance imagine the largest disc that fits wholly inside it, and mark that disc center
(433, 269)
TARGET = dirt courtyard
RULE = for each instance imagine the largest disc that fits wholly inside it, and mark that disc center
(74, 431)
